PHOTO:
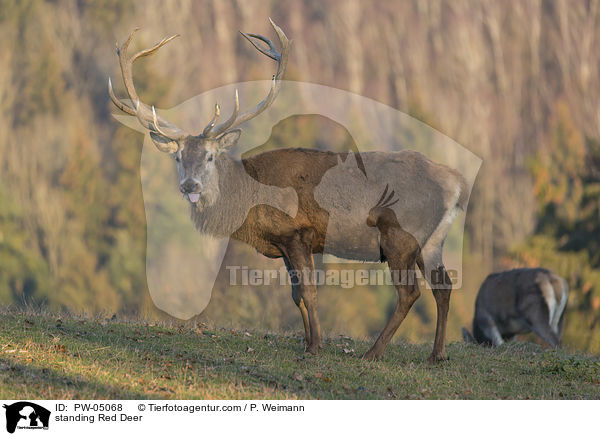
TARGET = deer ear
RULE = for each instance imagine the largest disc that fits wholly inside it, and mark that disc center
(229, 139)
(163, 143)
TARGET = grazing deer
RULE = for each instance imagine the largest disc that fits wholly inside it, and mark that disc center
(429, 197)
(519, 301)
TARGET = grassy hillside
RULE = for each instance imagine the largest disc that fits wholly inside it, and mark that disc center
(516, 83)
(45, 356)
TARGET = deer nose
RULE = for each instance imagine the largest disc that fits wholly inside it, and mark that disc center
(189, 186)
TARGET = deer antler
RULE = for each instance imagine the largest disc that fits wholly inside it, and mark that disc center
(281, 57)
(145, 115)
(151, 121)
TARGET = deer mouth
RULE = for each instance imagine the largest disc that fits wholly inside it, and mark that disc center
(193, 197)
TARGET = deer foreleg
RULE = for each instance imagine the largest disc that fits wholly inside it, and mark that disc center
(300, 262)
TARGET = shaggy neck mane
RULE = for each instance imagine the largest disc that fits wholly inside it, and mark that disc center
(236, 196)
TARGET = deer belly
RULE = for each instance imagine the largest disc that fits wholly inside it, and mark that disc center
(352, 239)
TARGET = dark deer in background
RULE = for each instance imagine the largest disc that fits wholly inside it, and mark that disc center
(519, 301)
(429, 194)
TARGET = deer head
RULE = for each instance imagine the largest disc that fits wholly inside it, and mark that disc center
(197, 156)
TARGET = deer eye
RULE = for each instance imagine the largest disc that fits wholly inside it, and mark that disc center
(210, 158)
(177, 159)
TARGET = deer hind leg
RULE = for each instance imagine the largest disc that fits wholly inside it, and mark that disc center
(437, 276)
(536, 315)
(545, 332)
(442, 301)
(401, 251)
(301, 269)
(560, 326)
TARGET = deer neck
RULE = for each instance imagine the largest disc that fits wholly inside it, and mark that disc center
(226, 214)
(238, 193)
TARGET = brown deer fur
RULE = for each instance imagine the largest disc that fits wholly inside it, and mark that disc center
(225, 200)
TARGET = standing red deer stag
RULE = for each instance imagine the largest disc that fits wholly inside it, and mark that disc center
(427, 198)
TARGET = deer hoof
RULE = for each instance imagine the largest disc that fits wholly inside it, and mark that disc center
(313, 349)
(371, 356)
(437, 358)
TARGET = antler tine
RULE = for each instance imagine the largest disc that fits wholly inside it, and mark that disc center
(226, 125)
(156, 124)
(148, 119)
(139, 116)
(118, 103)
(212, 122)
(125, 45)
(285, 49)
(152, 50)
(272, 52)
(126, 64)
(281, 58)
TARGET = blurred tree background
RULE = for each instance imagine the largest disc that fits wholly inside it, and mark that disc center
(517, 83)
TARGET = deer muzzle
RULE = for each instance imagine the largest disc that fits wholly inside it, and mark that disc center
(190, 188)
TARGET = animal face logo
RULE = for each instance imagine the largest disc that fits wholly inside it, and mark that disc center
(26, 415)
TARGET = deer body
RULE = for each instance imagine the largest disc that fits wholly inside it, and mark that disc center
(427, 192)
(519, 301)
(429, 196)
(291, 203)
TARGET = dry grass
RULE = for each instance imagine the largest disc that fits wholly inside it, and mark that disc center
(51, 357)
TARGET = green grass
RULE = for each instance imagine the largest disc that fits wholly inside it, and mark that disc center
(50, 357)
